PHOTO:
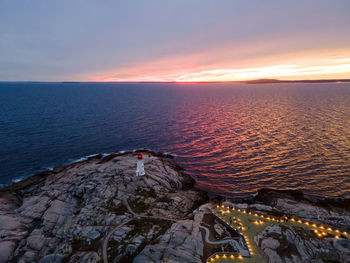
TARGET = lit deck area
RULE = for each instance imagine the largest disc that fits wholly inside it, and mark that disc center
(249, 224)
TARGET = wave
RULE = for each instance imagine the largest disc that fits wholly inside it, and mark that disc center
(84, 158)
(18, 179)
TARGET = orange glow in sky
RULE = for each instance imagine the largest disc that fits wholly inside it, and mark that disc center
(310, 64)
(152, 40)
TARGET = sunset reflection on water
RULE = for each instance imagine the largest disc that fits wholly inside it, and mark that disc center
(237, 141)
(233, 138)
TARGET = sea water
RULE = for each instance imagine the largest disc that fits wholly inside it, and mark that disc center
(232, 138)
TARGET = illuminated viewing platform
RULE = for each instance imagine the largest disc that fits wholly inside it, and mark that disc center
(249, 223)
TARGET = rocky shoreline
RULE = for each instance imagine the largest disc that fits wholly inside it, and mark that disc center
(97, 210)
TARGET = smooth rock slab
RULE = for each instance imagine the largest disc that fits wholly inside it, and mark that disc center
(6, 250)
(270, 243)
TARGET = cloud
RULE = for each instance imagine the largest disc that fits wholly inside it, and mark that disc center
(162, 40)
(213, 66)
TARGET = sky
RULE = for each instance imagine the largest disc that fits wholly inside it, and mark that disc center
(174, 40)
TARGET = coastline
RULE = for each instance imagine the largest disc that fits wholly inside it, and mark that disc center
(23, 180)
(81, 159)
(343, 202)
(51, 216)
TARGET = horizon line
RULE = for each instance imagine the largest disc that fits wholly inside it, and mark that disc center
(254, 81)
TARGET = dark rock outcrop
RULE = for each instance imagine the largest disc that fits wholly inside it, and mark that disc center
(51, 216)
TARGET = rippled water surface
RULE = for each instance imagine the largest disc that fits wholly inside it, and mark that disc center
(233, 138)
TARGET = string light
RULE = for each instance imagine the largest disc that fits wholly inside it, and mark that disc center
(257, 222)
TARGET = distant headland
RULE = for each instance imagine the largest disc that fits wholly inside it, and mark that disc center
(255, 81)
(263, 81)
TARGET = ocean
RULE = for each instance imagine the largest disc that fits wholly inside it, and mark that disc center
(232, 138)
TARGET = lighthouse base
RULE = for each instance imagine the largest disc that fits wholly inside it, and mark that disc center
(140, 173)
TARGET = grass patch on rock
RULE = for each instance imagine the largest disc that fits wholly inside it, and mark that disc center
(138, 206)
(116, 209)
(146, 193)
(164, 199)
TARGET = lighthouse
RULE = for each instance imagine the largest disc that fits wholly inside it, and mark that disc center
(140, 170)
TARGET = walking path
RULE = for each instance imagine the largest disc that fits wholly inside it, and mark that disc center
(244, 252)
(255, 222)
(224, 213)
(107, 237)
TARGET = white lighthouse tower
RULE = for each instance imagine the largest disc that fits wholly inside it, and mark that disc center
(140, 170)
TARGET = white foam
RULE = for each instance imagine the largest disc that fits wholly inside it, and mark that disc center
(169, 153)
(84, 158)
(16, 180)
